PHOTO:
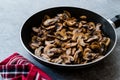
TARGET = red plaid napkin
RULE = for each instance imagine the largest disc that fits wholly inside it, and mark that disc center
(16, 67)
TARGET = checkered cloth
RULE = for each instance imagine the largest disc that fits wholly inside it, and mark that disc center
(16, 67)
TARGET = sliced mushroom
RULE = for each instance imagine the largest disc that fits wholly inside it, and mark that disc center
(34, 45)
(107, 41)
(73, 51)
(49, 42)
(98, 25)
(91, 25)
(59, 26)
(67, 59)
(47, 47)
(38, 51)
(80, 41)
(86, 53)
(83, 17)
(76, 34)
(71, 22)
(76, 55)
(35, 29)
(54, 51)
(57, 60)
(92, 38)
(95, 47)
(50, 27)
(69, 45)
(45, 57)
(61, 34)
(49, 22)
(69, 51)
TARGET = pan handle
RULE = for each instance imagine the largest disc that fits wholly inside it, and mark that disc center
(116, 21)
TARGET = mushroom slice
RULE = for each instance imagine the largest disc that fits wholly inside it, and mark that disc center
(80, 25)
(91, 25)
(98, 25)
(64, 16)
(50, 27)
(59, 26)
(45, 57)
(49, 22)
(86, 53)
(71, 22)
(76, 55)
(80, 41)
(35, 29)
(53, 51)
(95, 46)
(107, 40)
(73, 51)
(68, 45)
(57, 60)
(47, 47)
(76, 34)
(49, 42)
(67, 14)
(61, 34)
(94, 37)
(83, 17)
(38, 51)
(34, 45)
(67, 59)
(69, 51)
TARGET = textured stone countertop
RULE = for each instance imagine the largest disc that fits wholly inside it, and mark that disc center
(13, 14)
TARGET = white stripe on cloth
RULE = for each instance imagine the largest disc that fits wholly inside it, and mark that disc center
(37, 76)
(13, 59)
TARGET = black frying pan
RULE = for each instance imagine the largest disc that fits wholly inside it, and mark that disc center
(35, 20)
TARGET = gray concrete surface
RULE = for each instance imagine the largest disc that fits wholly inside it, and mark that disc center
(13, 14)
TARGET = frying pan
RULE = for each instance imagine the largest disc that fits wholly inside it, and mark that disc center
(108, 28)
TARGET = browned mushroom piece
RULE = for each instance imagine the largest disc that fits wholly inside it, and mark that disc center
(83, 17)
(107, 41)
(95, 46)
(71, 22)
(57, 60)
(61, 34)
(64, 16)
(86, 53)
(59, 26)
(73, 51)
(98, 25)
(34, 45)
(80, 41)
(49, 22)
(38, 51)
(92, 38)
(35, 29)
(67, 14)
(67, 59)
(76, 55)
(91, 25)
(47, 47)
(69, 45)
(76, 34)
(69, 51)
(45, 57)
(50, 27)
(54, 52)
(80, 24)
